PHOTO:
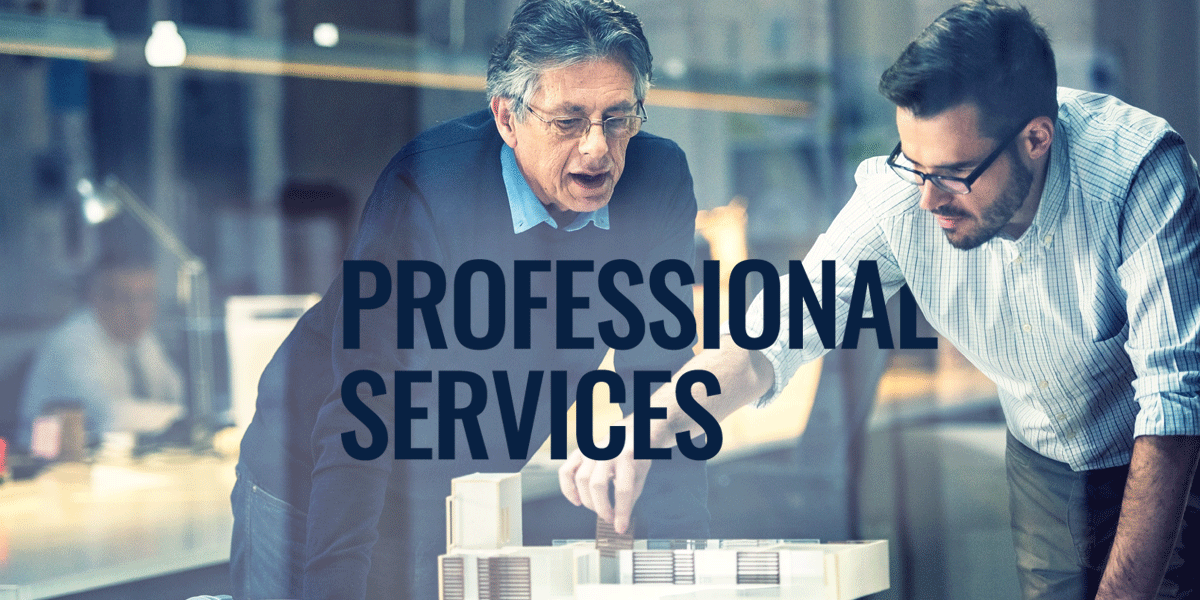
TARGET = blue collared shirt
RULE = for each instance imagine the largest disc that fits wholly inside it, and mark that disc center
(527, 210)
(1088, 322)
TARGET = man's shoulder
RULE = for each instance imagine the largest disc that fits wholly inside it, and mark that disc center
(652, 161)
(886, 194)
(649, 148)
(655, 171)
(447, 159)
(1106, 142)
(79, 327)
(79, 337)
(1102, 127)
(653, 208)
(1103, 111)
(650, 142)
(453, 137)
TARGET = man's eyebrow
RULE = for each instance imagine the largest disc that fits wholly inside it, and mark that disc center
(567, 109)
(962, 165)
(621, 106)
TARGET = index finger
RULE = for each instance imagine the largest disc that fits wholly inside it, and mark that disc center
(566, 477)
(624, 493)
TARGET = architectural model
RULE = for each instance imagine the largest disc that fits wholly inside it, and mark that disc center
(485, 559)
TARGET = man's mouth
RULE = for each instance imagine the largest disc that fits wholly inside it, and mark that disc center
(948, 219)
(946, 222)
(590, 181)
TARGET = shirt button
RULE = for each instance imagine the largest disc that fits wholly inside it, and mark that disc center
(1018, 260)
(1062, 416)
(1043, 384)
(1027, 328)
(1071, 434)
(1048, 239)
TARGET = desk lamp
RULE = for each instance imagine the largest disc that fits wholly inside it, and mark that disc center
(191, 290)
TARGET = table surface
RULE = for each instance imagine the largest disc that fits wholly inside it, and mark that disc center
(80, 526)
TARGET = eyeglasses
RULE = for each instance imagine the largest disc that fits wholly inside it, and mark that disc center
(947, 183)
(617, 128)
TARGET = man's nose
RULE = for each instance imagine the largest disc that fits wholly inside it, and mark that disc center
(933, 197)
(594, 142)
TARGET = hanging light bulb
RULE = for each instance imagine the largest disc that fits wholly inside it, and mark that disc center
(325, 35)
(165, 48)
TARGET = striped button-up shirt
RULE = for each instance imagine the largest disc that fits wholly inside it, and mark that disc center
(1087, 322)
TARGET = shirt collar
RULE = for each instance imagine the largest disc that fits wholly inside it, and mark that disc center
(1057, 186)
(1053, 200)
(527, 210)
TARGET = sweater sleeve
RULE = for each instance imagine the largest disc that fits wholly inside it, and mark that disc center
(674, 501)
(347, 494)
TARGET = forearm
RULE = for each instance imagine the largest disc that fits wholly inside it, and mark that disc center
(744, 376)
(1160, 477)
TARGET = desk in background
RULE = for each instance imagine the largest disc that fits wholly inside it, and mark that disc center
(79, 527)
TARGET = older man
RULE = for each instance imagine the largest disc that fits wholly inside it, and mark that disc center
(551, 184)
(1050, 234)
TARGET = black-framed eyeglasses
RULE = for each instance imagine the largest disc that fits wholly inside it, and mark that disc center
(948, 183)
(616, 128)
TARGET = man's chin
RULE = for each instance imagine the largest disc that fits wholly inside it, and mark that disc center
(591, 203)
(968, 240)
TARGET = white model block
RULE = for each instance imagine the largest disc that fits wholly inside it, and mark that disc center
(716, 567)
(858, 568)
(801, 567)
(586, 565)
(483, 511)
(588, 562)
(812, 571)
(534, 572)
(552, 569)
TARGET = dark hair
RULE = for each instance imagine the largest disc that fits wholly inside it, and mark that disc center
(548, 34)
(992, 55)
(111, 262)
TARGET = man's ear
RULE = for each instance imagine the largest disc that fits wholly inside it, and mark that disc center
(1038, 137)
(505, 120)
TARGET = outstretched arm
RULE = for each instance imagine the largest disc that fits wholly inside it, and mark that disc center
(1159, 275)
(745, 375)
(1156, 494)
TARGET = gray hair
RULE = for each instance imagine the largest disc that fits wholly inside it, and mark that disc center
(550, 34)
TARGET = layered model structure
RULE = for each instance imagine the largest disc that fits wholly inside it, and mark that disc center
(485, 559)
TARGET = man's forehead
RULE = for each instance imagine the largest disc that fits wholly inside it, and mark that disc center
(128, 277)
(605, 84)
(947, 139)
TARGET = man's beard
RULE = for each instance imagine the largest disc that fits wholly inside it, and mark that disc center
(998, 213)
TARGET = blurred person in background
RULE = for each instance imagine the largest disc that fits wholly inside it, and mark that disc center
(107, 359)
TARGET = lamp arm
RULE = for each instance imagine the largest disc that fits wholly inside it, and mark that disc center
(193, 290)
(153, 223)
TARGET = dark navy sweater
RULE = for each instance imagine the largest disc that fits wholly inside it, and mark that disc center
(442, 199)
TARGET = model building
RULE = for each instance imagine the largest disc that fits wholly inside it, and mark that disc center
(486, 560)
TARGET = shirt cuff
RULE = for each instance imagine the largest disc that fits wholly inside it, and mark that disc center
(775, 354)
(1168, 413)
